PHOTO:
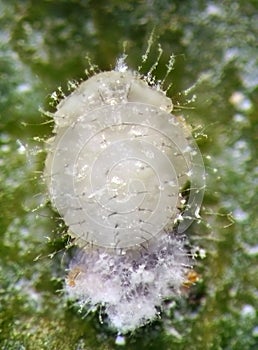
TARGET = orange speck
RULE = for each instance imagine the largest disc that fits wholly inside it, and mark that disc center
(191, 278)
(72, 275)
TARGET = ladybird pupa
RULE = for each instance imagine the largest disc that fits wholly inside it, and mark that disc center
(118, 161)
(115, 171)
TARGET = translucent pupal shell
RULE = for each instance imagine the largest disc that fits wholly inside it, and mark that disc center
(118, 161)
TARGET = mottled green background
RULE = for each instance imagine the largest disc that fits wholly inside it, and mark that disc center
(43, 44)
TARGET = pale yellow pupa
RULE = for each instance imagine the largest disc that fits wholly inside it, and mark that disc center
(118, 161)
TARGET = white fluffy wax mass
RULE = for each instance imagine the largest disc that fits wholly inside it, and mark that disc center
(115, 170)
(131, 286)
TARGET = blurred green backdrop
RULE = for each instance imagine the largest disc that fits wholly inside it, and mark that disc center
(43, 44)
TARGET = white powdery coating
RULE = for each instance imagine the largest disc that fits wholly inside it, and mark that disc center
(133, 286)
